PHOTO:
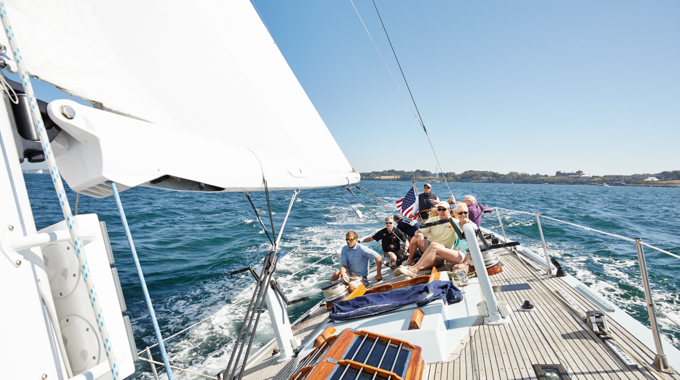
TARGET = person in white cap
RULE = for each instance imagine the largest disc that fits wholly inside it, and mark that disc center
(426, 201)
(442, 244)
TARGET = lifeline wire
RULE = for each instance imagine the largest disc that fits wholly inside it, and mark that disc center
(149, 305)
(594, 230)
(59, 187)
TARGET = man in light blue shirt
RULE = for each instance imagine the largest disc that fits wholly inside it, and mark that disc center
(354, 261)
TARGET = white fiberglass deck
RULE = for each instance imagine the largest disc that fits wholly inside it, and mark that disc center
(550, 334)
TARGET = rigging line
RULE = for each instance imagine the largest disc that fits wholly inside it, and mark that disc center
(178, 368)
(271, 218)
(247, 319)
(290, 207)
(419, 118)
(440, 165)
(258, 217)
(388, 68)
(305, 268)
(269, 268)
(374, 214)
(360, 201)
(343, 197)
(197, 323)
(375, 198)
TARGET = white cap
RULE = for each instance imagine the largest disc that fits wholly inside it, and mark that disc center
(443, 204)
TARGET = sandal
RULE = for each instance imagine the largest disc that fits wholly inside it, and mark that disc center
(408, 272)
(404, 271)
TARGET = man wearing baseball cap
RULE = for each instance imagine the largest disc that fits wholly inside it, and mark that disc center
(426, 201)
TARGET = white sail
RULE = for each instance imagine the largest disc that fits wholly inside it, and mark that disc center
(201, 71)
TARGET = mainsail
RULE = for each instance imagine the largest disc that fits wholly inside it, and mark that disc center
(203, 78)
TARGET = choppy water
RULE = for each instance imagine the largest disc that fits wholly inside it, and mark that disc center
(188, 243)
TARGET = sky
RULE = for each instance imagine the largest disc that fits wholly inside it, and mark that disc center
(524, 86)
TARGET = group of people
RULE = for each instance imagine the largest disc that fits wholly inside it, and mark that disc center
(405, 240)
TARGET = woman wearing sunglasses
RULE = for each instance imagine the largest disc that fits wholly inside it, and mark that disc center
(445, 246)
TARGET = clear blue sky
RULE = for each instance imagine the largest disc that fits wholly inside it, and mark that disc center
(527, 86)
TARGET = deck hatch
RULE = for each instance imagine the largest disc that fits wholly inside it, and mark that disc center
(361, 355)
(508, 288)
(378, 353)
(550, 372)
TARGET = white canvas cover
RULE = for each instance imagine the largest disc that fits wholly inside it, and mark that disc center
(207, 68)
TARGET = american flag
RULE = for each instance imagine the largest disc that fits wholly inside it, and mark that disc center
(408, 205)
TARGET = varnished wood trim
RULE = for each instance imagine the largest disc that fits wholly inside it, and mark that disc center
(324, 368)
(400, 284)
(434, 276)
(416, 320)
(415, 365)
(327, 333)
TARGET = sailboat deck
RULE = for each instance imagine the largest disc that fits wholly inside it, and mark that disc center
(550, 334)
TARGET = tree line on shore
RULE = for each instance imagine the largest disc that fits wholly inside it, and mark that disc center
(517, 177)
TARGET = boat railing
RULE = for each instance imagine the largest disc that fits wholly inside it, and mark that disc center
(660, 360)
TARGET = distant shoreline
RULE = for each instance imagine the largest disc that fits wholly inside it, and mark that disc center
(663, 179)
(674, 184)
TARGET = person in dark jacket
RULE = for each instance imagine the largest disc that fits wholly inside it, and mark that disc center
(393, 242)
(476, 210)
(426, 202)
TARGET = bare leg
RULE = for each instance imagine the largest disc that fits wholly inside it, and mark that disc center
(351, 288)
(393, 259)
(413, 244)
(336, 276)
(428, 259)
(436, 249)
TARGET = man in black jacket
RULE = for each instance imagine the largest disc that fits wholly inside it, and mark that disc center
(426, 202)
(393, 241)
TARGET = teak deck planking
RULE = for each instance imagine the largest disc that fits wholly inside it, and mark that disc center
(549, 334)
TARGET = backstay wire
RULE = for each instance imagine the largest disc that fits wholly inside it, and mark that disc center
(415, 113)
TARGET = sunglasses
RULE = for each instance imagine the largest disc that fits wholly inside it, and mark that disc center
(463, 213)
(351, 239)
(441, 209)
(388, 223)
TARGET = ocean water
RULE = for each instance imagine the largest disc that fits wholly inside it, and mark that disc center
(188, 243)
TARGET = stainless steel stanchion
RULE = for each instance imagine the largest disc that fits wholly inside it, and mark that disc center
(499, 221)
(545, 250)
(153, 366)
(660, 360)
